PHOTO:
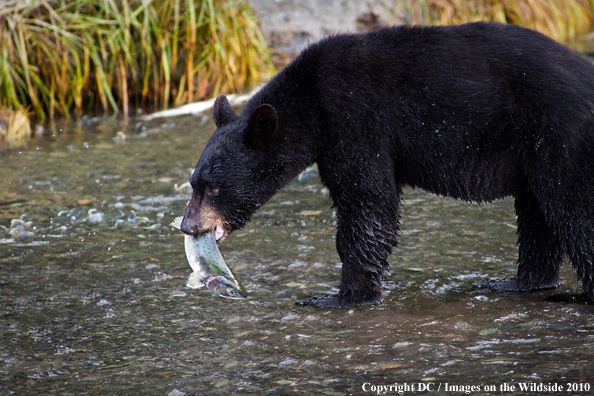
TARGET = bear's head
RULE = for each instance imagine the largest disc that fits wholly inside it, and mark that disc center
(238, 171)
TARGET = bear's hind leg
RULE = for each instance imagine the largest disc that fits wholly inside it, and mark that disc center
(579, 244)
(540, 251)
(568, 228)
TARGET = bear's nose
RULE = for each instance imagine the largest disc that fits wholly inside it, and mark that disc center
(188, 227)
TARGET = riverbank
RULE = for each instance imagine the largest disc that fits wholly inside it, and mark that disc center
(289, 25)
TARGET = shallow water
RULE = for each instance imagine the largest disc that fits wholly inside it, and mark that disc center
(93, 297)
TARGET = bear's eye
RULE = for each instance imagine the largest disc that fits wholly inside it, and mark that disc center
(212, 191)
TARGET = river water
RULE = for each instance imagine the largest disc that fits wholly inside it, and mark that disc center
(93, 298)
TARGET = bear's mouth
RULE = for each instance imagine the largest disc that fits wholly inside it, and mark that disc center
(220, 231)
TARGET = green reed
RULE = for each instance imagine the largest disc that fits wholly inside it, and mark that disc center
(64, 56)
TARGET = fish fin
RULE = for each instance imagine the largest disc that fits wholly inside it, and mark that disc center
(176, 223)
(194, 281)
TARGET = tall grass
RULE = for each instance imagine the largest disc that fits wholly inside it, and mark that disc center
(63, 56)
(563, 20)
(60, 56)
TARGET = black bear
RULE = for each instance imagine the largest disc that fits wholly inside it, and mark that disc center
(475, 112)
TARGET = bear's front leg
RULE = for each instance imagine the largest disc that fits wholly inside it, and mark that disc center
(365, 238)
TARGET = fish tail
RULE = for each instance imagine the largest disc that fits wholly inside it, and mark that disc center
(176, 223)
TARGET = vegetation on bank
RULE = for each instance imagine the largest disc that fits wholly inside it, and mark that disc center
(562, 20)
(15, 127)
(59, 57)
(64, 57)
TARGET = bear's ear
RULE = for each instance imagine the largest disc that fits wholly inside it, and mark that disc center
(262, 126)
(222, 111)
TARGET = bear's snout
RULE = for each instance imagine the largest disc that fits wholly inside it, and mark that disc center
(202, 217)
(189, 227)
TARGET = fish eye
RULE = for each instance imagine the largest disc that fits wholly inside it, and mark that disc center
(232, 292)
